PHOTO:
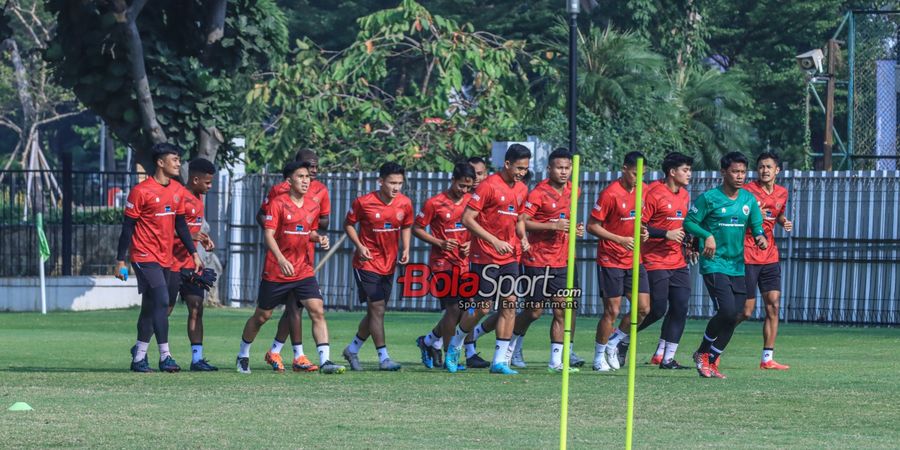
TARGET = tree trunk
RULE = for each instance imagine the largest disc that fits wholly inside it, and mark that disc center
(215, 21)
(22, 85)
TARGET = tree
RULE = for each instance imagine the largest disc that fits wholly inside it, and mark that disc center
(168, 70)
(414, 88)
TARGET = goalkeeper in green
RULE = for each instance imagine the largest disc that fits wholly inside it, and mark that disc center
(719, 218)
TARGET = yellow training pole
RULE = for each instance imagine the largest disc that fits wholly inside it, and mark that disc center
(570, 283)
(635, 279)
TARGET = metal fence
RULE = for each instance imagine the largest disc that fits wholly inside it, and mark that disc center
(839, 264)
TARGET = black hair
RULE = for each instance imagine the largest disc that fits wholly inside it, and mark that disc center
(292, 167)
(391, 168)
(162, 149)
(632, 157)
(463, 170)
(305, 154)
(732, 158)
(201, 165)
(476, 160)
(516, 152)
(675, 160)
(769, 155)
(559, 153)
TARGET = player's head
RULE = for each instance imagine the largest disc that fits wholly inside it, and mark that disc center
(305, 154)
(768, 165)
(167, 157)
(200, 175)
(480, 167)
(515, 163)
(629, 167)
(677, 167)
(463, 179)
(559, 166)
(297, 174)
(391, 176)
(734, 169)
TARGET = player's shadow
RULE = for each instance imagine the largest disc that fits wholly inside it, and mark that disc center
(62, 370)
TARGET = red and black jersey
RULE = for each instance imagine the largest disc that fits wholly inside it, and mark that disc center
(665, 210)
(616, 213)
(549, 248)
(379, 229)
(154, 207)
(498, 205)
(772, 205)
(193, 214)
(293, 225)
(444, 216)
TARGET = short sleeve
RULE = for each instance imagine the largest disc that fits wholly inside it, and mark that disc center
(533, 203)
(424, 217)
(649, 209)
(325, 204)
(602, 208)
(408, 215)
(353, 212)
(272, 220)
(481, 196)
(135, 203)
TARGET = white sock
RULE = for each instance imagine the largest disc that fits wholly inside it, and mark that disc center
(571, 348)
(626, 339)
(276, 346)
(164, 351)
(438, 344)
(355, 344)
(383, 354)
(430, 338)
(245, 349)
(511, 348)
(661, 348)
(500, 350)
(457, 340)
(196, 352)
(141, 352)
(324, 353)
(599, 349)
(556, 350)
(615, 337)
(478, 332)
(470, 350)
(671, 348)
(768, 354)
(298, 350)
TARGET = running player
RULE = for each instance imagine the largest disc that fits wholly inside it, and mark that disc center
(480, 167)
(493, 216)
(719, 218)
(763, 269)
(291, 322)
(288, 273)
(546, 219)
(449, 241)
(384, 217)
(153, 216)
(665, 208)
(612, 220)
(200, 178)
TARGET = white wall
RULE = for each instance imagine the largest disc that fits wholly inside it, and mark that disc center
(68, 293)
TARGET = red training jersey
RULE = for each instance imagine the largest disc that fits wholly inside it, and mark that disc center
(154, 206)
(772, 205)
(498, 205)
(293, 225)
(665, 210)
(444, 216)
(615, 212)
(544, 204)
(379, 230)
(317, 192)
(193, 215)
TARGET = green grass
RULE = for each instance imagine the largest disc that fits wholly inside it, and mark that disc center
(72, 368)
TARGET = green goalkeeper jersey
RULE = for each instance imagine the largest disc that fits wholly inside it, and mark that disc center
(714, 214)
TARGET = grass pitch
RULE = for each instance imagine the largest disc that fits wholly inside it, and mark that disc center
(71, 368)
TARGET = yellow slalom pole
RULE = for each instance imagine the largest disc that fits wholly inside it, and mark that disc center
(570, 284)
(635, 280)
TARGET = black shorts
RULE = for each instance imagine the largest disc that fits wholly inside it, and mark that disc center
(151, 275)
(440, 285)
(617, 282)
(488, 274)
(178, 283)
(554, 284)
(373, 286)
(766, 276)
(661, 280)
(725, 288)
(274, 293)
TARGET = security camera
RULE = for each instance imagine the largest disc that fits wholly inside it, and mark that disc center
(811, 61)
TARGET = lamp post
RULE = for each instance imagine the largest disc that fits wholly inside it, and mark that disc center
(573, 8)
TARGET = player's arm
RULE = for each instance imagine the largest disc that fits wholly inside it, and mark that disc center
(469, 221)
(286, 267)
(756, 221)
(596, 228)
(785, 223)
(184, 233)
(405, 239)
(692, 223)
(124, 242)
(324, 222)
(261, 216)
(520, 232)
(350, 229)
